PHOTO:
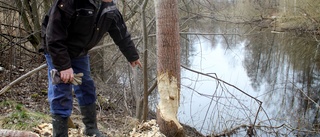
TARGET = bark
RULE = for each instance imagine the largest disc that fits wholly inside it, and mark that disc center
(17, 133)
(168, 67)
(32, 38)
(36, 22)
(145, 60)
(138, 99)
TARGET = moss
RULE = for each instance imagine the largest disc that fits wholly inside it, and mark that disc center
(35, 95)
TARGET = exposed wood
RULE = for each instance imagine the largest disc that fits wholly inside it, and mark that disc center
(168, 67)
(167, 108)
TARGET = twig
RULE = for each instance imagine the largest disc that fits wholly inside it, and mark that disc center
(259, 102)
(222, 82)
(317, 105)
(154, 85)
(236, 128)
(7, 87)
(196, 33)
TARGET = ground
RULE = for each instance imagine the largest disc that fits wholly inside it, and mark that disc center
(25, 107)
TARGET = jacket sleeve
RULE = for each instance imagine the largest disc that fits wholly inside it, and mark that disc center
(56, 34)
(122, 38)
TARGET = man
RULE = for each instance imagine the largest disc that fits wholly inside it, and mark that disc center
(69, 30)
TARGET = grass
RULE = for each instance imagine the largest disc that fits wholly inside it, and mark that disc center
(17, 117)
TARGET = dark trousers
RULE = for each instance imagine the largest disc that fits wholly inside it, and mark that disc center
(60, 95)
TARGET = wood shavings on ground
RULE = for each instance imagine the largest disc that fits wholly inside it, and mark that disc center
(147, 129)
(45, 130)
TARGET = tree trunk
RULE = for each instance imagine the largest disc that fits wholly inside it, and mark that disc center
(26, 21)
(36, 23)
(168, 67)
(145, 60)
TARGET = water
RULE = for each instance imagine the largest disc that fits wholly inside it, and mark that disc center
(265, 67)
(227, 65)
(247, 75)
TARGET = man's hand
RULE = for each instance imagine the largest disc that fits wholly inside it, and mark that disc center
(137, 62)
(67, 75)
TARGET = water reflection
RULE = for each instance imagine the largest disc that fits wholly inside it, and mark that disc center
(278, 69)
(286, 65)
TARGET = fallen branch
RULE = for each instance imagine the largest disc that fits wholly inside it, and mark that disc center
(17, 133)
(309, 98)
(260, 102)
(7, 87)
(250, 130)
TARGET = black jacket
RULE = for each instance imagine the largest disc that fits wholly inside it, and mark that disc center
(72, 27)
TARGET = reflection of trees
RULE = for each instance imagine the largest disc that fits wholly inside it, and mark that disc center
(188, 40)
(281, 65)
(301, 56)
(185, 50)
(258, 58)
(285, 65)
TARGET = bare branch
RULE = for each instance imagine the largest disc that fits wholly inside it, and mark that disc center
(6, 88)
(309, 98)
(222, 82)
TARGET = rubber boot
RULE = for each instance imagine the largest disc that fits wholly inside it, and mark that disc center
(90, 120)
(60, 126)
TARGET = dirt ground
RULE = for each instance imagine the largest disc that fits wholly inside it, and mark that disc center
(25, 107)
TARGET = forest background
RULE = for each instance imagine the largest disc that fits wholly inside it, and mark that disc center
(120, 88)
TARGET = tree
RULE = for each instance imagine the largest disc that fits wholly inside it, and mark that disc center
(20, 22)
(168, 67)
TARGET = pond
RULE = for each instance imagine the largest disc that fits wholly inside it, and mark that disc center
(239, 67)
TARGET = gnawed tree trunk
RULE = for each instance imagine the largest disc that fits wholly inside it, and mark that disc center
(168, 106)
(168, 67)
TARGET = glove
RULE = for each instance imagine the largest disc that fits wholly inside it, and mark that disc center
(77, 80)
(55, 78)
